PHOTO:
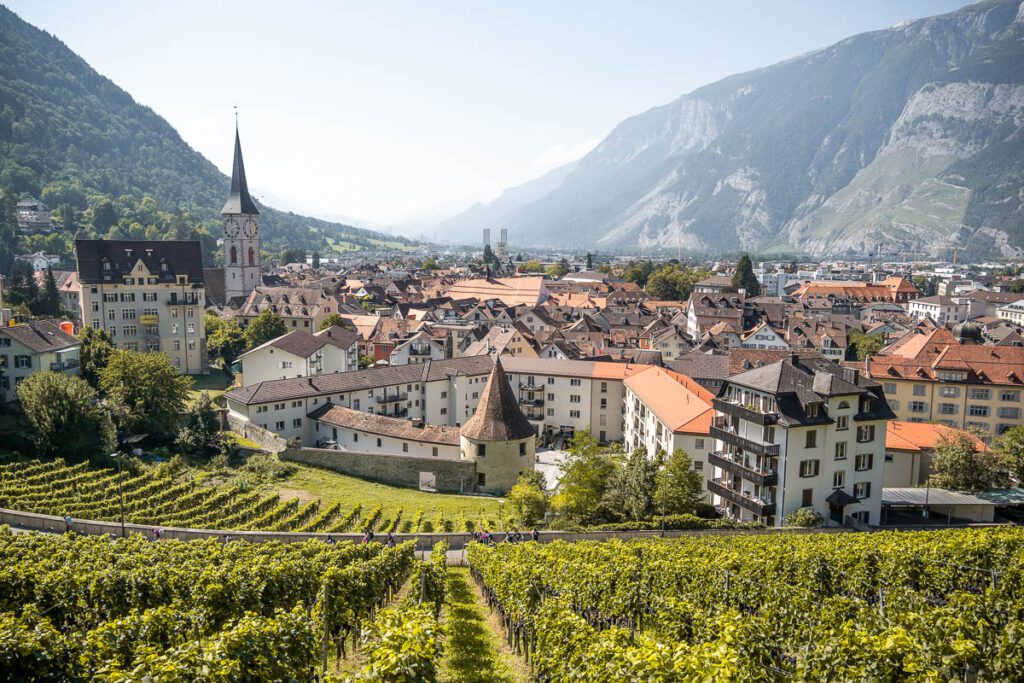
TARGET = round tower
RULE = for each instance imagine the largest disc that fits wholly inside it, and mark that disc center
(498, 437)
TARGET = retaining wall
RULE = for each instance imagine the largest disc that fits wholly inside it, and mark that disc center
(264, 437)
(451, 476)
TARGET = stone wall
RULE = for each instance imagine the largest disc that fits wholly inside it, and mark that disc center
(453, 476)
(264, 437)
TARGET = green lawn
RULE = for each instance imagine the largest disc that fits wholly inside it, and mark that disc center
(438, 509)
(215, 384)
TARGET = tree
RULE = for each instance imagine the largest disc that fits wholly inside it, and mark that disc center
(201, 434)
(1010, 449)
(148, 391)
(66, 416)
(430, 264)
(962, 463)
(292, 256)
(490, 258)
(638, 272)
(49, 300)
(264, 327)
(586, 474)
(558, 270)
(316, 259)
(590, 261)
(104, 217)
(680, 487)
(861, 345)
(744, 277)
(637, 484)
(532, 266)
(366, 361)
(527, 502)
(672, 283)
(93, 353)
(806, 517)
(225, 339)
(335, 320)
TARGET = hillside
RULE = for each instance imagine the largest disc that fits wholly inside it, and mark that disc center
(68, 133)
(909, 137)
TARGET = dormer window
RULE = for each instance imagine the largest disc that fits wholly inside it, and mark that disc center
(813, 410)
(106, 265)
(163, 267)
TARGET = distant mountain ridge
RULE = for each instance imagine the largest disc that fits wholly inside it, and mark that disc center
(907, 138)
(61, 121)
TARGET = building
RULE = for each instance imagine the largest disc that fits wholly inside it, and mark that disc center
(942, 309)
(909, 447)
(764, 336)
(33, 216)
(666, 411)
(36, 347)
(498, 437)
(301, 308)
(511, 291)
(1014, 313)
(148, 295)
(893, 289)
(705, 310)
(419, 348)
(39, 261)
(800, 432)
(241, 241)
(951, 378)
(301, 354)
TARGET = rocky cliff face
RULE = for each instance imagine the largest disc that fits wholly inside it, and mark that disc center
(893, 140)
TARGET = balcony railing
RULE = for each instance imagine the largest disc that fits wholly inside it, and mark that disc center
(745, 412)
(393, 398)
(535, 402)
(404, 412)
(69, 364)
(420, 351)
(730, 437)
(186, 300)
(736, 465)
(531, 387)
(759, 506)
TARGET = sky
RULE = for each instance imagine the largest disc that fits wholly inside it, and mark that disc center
(400, 113)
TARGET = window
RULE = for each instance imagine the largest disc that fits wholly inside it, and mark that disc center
(176, 344)
(604, 403)
(355, 437)
(551, 397)
(811, 440)
(981, 394)
(889, 387)
(920, 390)
(895, 405)
(433, 451)
(1009, 396)
(947, 408)
(444, 394)
(1009, 413)
(481, 450)
(128, 297)
(481, 480)
(865, 433)
(809, 468)
(405, 447)
(279, 425)
(130, 330)
(522, 448)
(807, 499)
(378, 442)
(838, 479)
(233, 255)
(842, 423)
(862, 489)
(918, 406)
(699, 444)
(476, 394)
(604, 387)
(297, 422)
(149, 296)
(574, 398)
(949, 392)
(551, 380)
(111, 314)
(574, 382)
(977, 411)
(840, 450)
(574, 413)
(551, 412)
(864, 461)
(22, 362)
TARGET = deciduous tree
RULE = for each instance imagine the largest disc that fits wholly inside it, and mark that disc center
(149, 392)
(962, 464)
(93, 353)
(264, 327)
(66, 416)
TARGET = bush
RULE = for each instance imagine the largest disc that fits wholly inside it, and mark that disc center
(676, 523)
(804, 517)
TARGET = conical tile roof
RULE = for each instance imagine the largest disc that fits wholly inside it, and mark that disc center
(498, 416)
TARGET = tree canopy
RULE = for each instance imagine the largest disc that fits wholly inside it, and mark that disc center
(264, 327)
(66, 416)
(147, 392)
(744, 277)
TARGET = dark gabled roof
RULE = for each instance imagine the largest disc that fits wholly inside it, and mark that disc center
(40, 337)
(386, 426)
(239, 200)
(183, 257)
(498, 416)
(338, 336)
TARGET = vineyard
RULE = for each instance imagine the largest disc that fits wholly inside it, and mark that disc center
(90, 608)
(915, 606)
(203, 499)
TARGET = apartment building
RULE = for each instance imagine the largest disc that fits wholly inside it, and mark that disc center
(148, 295)
(800, 432)
(301, 354)
(950, 378)
(39, 346)
(666, 411)
(942, 309)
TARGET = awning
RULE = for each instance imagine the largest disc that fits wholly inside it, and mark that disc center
(841, 498)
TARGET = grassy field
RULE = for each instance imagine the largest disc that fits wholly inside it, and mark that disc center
(215, 384)
(439, 509)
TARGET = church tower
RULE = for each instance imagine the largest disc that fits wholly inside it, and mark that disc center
(241, 233)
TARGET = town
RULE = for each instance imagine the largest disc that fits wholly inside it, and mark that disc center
(291, 390)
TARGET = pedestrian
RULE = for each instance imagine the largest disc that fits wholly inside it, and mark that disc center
(67, 523)
(390, 541)
(534, 535)
(330, 539)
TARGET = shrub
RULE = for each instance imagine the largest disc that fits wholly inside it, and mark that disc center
(804, 517)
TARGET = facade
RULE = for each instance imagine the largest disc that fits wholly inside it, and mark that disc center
(419, 348)
(942, 309)
(301, 308)
(800, 432)
(1014, 313)
(666, 411)
(301, 354)
(241, 221)
(36, 347)
(148, 295)
(39, 261)
(764, 337)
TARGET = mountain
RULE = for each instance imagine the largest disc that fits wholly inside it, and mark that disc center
(910, 137)
(467, 226)
(67, 133)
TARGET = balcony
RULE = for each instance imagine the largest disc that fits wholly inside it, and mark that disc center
(531, 402)
(728, 436)
(758, 506)
(404, 412)
(531, 387)
(393, 398)
(184, 300)
(734, 464)
(419, 351)
(69, 364)
(750, 412)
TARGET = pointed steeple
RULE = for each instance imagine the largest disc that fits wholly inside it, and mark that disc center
(498, 416)
(239, 200)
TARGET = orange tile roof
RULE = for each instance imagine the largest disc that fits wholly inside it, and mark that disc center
(918, 436)
(678, 401)
(511, 291)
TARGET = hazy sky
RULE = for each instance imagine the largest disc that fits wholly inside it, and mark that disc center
(394, 111)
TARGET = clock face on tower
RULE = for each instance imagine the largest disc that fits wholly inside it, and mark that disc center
(250, 227)
(231, 227)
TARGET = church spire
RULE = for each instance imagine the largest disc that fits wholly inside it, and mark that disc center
(239, 201)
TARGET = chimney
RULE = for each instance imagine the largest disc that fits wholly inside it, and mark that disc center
(867, 366)
(794, 358)
(851, 375)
